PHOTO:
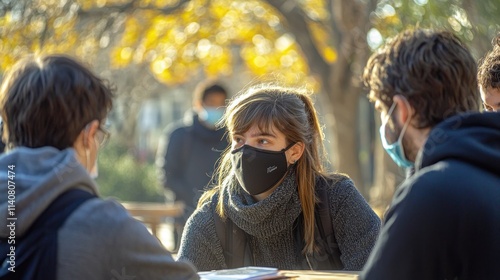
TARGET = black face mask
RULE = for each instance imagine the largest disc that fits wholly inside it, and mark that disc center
(259, 170)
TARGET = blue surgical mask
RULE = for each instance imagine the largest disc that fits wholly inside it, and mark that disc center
(212, 115)
(395, 150)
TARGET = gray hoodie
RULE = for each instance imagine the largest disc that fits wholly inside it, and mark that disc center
(100, 240)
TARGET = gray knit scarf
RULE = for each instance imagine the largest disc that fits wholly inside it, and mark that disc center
(267, 217)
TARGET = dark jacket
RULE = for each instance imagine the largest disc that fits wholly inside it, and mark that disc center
(444, 221)
(187, 157)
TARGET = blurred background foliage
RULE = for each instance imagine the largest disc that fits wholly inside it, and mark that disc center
(125, 178)
(150, 48)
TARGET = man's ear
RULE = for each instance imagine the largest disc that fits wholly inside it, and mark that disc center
(403, 109)
(89, 133)
(295, 152)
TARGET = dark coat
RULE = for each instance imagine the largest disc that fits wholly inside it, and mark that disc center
(187, 158)
(444, 221)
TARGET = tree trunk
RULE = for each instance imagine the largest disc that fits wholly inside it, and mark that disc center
(343, 128)
(346, 141)
(347, 26)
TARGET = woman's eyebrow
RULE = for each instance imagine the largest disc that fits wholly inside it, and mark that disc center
(263, 134)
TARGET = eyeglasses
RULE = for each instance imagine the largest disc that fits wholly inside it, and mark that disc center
(102, 136)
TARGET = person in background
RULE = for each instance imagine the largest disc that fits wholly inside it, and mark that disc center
(488, 76)
(53, 110)
(270, 185)
(443, 222)
(189, 149)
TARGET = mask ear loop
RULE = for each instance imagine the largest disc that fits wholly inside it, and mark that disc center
(407, 123)
(386, 120)
(288, 147)
(403, 130)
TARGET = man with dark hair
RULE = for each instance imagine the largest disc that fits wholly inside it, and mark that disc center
(488, 76)
(444, 220)
(53, 110)
(188, 152)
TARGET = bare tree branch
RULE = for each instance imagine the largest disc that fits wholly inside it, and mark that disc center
(351, 23)
(298, 25)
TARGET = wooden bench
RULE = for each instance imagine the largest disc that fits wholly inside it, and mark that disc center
(153, 213)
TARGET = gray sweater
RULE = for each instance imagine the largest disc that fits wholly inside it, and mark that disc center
(269, 226)
(100, 240)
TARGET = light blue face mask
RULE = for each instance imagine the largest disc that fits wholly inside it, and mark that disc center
(395, 150)
(212, 115)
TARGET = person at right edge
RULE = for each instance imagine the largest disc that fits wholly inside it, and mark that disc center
(444, 220)
(488, 77)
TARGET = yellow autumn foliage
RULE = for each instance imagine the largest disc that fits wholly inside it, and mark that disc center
(202, 35)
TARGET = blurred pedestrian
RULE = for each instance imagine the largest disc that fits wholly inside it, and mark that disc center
(189, 150)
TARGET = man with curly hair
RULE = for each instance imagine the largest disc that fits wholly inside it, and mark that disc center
(444, 220)
(488, 77)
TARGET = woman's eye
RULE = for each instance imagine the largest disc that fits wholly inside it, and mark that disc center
(237, 139)
(263, 141)
(488, 108)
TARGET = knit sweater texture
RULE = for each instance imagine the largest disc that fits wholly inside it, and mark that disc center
(269, 225)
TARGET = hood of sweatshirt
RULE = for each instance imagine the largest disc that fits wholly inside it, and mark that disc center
(473, 138)
(31, 179)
